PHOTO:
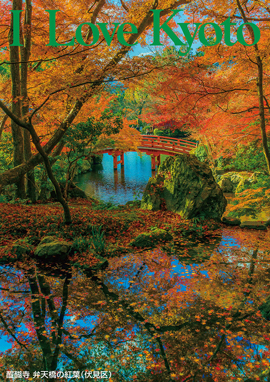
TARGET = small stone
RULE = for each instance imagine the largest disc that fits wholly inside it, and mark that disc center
(53, 250)
(151, 239)
(254, 225)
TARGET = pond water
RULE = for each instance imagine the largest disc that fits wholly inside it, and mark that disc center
(187, 312)
(149, 316)
(121, 186)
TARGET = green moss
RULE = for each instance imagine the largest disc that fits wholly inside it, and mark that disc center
(186, 186)
(151, 239)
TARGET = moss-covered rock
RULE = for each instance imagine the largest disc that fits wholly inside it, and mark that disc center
(151, 239)
(115, 250)
(102, 264)
(53, 249)
(255, 177)
(186, 186)
(254, 225)
(47, 239)
(76, 192)
(238, 181)
(153, 194)
(231, 221)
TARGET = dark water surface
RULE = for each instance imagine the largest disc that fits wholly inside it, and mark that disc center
(130, 318)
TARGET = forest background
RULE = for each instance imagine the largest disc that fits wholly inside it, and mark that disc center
(212, 103)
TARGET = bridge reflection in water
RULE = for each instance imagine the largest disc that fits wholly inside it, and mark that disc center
(105, 184)
(154, 146)
(134, 171)
(116, 178)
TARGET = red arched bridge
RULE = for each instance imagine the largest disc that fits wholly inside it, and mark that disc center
(155, 146)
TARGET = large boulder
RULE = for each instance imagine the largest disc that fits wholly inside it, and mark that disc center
(186, 186)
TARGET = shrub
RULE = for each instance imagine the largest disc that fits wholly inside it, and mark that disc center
(98, 239)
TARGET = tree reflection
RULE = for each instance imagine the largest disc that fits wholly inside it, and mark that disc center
(140, 318)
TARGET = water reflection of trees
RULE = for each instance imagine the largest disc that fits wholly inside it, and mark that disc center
(135, 318)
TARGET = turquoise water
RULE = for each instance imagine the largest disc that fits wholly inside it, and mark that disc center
(121, 186)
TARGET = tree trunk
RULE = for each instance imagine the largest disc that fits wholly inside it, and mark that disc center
(12, 176)
(262, 113)
(48, 166)
(39, 320)
(30, 176)
(2, 125)
(259, 88)
(43, 189)
(25, 55)
(18, 156)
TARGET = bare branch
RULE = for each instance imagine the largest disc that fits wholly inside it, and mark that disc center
(17, 120)
(124, 6)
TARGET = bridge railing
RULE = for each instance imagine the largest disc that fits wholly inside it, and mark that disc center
(176, 145)
(151, 143)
